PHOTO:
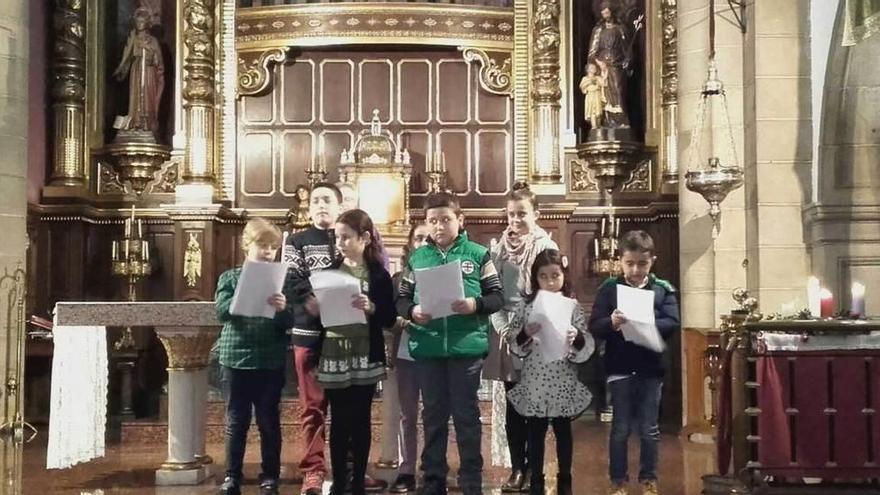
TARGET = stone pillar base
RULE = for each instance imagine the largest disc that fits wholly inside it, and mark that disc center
(175, 477)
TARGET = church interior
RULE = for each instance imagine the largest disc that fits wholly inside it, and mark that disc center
(140, 136)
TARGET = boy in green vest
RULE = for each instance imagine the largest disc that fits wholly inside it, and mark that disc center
(449, 351)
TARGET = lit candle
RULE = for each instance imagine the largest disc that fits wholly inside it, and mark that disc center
(596, 245)
(813, 296)
(126, 250)
(858, 299)
(145, 251)
(826, 303)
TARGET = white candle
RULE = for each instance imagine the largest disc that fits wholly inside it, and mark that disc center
(813, 298)
(602, 232)
(127, 224)
(442, 162)
(113, 249)
(858, 299)
(145, 251)
(126, 250)
(140, 229)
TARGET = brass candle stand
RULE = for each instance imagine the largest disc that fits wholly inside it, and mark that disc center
(606, 261)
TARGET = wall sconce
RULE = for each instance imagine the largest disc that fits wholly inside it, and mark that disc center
(380, 171)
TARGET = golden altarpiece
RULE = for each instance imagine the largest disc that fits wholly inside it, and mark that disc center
(202, 113)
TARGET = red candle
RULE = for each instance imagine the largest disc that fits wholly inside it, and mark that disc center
(826, 303)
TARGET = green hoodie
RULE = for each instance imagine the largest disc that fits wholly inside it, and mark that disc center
(456, 336)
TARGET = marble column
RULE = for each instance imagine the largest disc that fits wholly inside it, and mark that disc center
(198, 102)
(13, 187)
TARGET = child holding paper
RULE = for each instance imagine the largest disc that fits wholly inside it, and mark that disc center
(449, 351)
(635, 373)
(352, 359)
(549, 391)
(252, 355)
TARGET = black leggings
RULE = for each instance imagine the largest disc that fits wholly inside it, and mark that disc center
(537, 433)
(350, 431)
(516, 427)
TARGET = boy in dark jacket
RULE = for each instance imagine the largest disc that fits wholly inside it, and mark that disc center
(449, 351)
(635, 373)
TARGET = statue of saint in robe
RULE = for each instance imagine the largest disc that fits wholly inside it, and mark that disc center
(611, 51)
(142, 64)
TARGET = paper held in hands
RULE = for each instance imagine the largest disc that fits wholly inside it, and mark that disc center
(638, 307)
(335, 291)
(438, 288)
(258, 282)
(553, 312)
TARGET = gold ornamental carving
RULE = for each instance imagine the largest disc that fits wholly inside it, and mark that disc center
(68, 91)
(641, 178)
(198, 66)
(254, 73)
(192, 261)
(137, 163)
(108, 180)
(167, 178)
(494, 77)
(582, 180)
(669, 15)
(546, 92)
(188, 351)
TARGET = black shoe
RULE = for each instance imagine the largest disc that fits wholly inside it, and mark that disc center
(372, 485)
(269, 487)
(514, 482)
(431, 486)
(404, 483)
(563, 484)
(230, 486)
(537, 485)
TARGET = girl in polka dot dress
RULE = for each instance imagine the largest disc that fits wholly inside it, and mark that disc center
(549, 393)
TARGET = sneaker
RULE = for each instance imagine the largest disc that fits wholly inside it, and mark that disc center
(269, 487)
(649, 487)
(230, 486)
(313, 483)
(404, 483)
(372, 485)
(618, 489)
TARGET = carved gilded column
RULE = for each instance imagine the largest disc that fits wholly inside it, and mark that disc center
(546, 92)
(669, 91)
(68, 93)
(198, 101)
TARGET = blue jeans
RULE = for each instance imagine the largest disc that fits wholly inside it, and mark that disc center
(636, 403)
(449, 387)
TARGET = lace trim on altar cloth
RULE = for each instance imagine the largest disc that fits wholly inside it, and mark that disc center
(78, 405)
(500, 451)
(854, 31)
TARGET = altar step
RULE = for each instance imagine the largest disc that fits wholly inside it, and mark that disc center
(155, 430)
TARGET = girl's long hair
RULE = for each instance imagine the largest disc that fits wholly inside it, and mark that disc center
(545, 258)
(359, 221)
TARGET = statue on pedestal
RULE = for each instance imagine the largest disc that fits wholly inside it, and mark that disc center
(593, 86)
(143, 66)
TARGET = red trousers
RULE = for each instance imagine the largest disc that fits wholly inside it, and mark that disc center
(314, 409)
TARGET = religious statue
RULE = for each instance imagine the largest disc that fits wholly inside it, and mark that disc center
(192, 261)
(142, 64)
(301, 217)
(593, 87)
(611, 51)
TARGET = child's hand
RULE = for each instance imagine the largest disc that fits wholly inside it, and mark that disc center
(277, 301)
(532, 328)
(419, 317)
(466, 306)
(571, 336)
(362, 302)
(312, 306)
(618, 319)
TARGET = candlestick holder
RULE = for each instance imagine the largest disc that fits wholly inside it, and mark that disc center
(436, 172)
(606, 261)
(130, 260)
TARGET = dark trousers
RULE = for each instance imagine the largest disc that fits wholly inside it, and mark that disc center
(636, 403)
(449, 388)
(350, 423)
(314, 410)
(537, 433)
(516, 427)
(260, 391)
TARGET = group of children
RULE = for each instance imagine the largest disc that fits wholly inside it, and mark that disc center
(489, 334)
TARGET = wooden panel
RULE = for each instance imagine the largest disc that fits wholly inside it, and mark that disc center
(298, 91)
(456, 145)
(333, 144)
(296, 150)
(453, 92)
(375, 90)
(493, 161)
(336, 91)
(415, 91)
(257, 171)
(258, 109)
(491, 108)
(418, 143)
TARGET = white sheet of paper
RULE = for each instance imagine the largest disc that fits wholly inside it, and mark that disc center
(403, 350)
(553, 311)
(335, 290)
(638, 306)
(257, 283)
(438, 288)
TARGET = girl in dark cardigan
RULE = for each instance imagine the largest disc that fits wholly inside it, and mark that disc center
(352, 358)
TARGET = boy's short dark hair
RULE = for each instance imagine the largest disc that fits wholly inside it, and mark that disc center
(636, 240)
(443, 200)
(330, 186)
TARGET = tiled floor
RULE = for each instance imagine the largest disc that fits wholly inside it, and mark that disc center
(129, 470)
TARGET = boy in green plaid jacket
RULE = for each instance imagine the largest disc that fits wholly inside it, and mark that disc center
(252, 355)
